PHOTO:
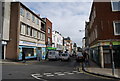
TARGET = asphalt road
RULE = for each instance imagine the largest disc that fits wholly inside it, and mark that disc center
(47, 71)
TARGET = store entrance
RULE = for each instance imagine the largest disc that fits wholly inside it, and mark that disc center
(29, 52)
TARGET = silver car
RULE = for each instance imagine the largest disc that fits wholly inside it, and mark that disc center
(64, 56)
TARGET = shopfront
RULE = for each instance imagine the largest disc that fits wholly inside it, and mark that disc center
(28, 48)
(41, 51)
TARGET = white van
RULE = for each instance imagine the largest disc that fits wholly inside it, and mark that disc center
(53, 55)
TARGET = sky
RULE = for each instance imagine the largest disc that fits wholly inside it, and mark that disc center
(67, 17)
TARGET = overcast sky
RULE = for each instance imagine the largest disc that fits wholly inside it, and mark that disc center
(67, 17)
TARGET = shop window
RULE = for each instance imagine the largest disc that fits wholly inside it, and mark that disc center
(116, 28)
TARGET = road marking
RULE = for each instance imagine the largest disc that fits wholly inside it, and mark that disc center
(66, 72)
(60, 74)
(70, 73)
(49, 75)
(57, 72)
(74, 71)
(38, 76)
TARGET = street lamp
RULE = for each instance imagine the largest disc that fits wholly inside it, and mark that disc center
(112, 58)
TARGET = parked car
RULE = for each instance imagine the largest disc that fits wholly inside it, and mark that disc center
(79, 57)
(53, 55)
(65, 56)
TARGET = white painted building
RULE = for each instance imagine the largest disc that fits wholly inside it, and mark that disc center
(5, 26)
(57, 40)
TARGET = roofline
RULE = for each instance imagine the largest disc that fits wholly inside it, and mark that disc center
(29, 10)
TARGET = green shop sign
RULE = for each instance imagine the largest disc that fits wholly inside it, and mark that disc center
(51, 48)
(116, 43)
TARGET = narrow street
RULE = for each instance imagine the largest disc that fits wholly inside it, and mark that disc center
(47, 71)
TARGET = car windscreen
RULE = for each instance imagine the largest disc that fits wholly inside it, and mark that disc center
(64, 55)
(51, 53)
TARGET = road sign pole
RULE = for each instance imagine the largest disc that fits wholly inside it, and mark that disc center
(112, 58)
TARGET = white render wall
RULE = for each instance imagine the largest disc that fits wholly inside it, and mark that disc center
(57, 39)
(6, 21)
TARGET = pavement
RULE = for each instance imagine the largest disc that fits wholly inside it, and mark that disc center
(93, 68)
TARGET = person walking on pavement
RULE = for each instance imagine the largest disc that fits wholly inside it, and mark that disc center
(23, 57)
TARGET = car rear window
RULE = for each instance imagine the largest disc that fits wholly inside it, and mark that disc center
(79, 54)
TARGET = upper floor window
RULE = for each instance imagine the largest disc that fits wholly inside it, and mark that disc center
(116, 28)
(27, 15)
(22, 11)
(37, 21)
(39, 35)
(49, 30)
(115, 5)
(33, 18)
(28, 30)
(35, 33)
(22, 31)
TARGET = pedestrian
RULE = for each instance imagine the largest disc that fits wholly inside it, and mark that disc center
(38, 56)
(23, 57)
(86, 58)
(46, 55)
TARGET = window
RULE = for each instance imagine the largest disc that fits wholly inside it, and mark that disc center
(42, 36)
(22, 31)
(115, 5)
(37, 21)
(49, 30)
(34, 33)
(48, 40)
(39, 35)
(28, 30)
(116, 28)
(31, 32)
(22, 11)
(27, 15)
(33, 18)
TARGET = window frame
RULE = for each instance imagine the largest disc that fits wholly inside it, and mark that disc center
(114, 10)
(22, 11)
(114, 22)
(24, 29)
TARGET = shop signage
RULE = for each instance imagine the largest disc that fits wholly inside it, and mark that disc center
(41, 45)
(29, 43)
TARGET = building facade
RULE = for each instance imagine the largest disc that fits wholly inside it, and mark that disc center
(5, 26)
(103, 29)
(48, 37)
(57, 41)
(27, 34)
(67, 43)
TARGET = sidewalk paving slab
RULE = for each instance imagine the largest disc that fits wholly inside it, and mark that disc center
(93, 68)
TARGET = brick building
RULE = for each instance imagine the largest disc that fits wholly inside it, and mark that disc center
(27, 33)
(48, 37)
(102, 29)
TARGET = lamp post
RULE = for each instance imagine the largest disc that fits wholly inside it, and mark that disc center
(1, 25)
(112, 58)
